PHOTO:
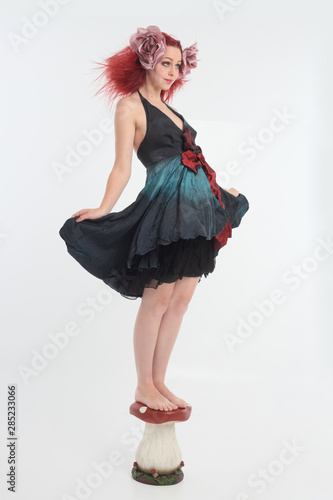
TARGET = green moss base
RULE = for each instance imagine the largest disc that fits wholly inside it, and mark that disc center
(160, 480)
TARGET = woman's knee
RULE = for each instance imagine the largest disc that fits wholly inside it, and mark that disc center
(157, 300)
(182, 295)
(178, 304)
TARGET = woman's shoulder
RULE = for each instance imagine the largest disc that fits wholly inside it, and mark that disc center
(131, 100)
(128, 106)
(173, 108)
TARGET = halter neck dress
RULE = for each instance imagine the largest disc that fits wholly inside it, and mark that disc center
(174, 228)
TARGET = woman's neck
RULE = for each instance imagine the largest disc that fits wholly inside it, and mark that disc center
(151, 93)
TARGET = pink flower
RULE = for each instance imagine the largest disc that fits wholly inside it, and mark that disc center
(189, 60)
(149, 44)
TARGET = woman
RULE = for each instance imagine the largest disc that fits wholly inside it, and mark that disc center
(158, 247)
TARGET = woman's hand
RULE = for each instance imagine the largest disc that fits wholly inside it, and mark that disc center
(232, 191)
(89, 213)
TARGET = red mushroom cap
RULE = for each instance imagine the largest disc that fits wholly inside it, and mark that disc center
(159, 416)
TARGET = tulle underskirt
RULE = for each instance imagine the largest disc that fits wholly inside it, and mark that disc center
(182, 258)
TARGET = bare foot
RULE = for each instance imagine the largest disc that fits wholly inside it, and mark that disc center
(152, 398)
(171, 397)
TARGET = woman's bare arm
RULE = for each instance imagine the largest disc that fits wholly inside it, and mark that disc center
(124, 127)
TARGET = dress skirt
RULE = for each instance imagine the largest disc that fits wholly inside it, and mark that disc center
(166, 234)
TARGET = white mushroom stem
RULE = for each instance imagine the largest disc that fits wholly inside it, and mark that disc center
(159, 449)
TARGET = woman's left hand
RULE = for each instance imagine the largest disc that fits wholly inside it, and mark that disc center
(232, 191)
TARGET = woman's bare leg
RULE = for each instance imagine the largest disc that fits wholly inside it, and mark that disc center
(153, 305)
(168, 332)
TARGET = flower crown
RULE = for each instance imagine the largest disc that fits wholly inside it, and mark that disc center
(150, 45)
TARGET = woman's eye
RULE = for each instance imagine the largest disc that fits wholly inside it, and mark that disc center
(177, 65)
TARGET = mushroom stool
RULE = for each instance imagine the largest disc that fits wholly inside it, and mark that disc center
(158, 459)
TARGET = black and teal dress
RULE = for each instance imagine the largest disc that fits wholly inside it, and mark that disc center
(174, 228)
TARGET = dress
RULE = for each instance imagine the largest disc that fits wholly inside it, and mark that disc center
(174, 228)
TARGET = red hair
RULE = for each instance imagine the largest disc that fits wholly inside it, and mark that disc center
(124, 74)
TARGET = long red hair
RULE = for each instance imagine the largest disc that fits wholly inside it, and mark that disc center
(124, 74)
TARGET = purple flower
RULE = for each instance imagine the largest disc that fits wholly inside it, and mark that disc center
(149, 44)
(189, 60)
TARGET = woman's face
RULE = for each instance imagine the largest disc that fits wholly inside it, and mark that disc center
(167, 69)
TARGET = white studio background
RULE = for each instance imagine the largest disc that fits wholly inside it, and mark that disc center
(261, 392)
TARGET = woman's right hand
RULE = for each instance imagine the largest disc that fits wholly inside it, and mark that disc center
(89, 213)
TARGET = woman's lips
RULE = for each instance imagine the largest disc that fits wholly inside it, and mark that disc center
(169, 81)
